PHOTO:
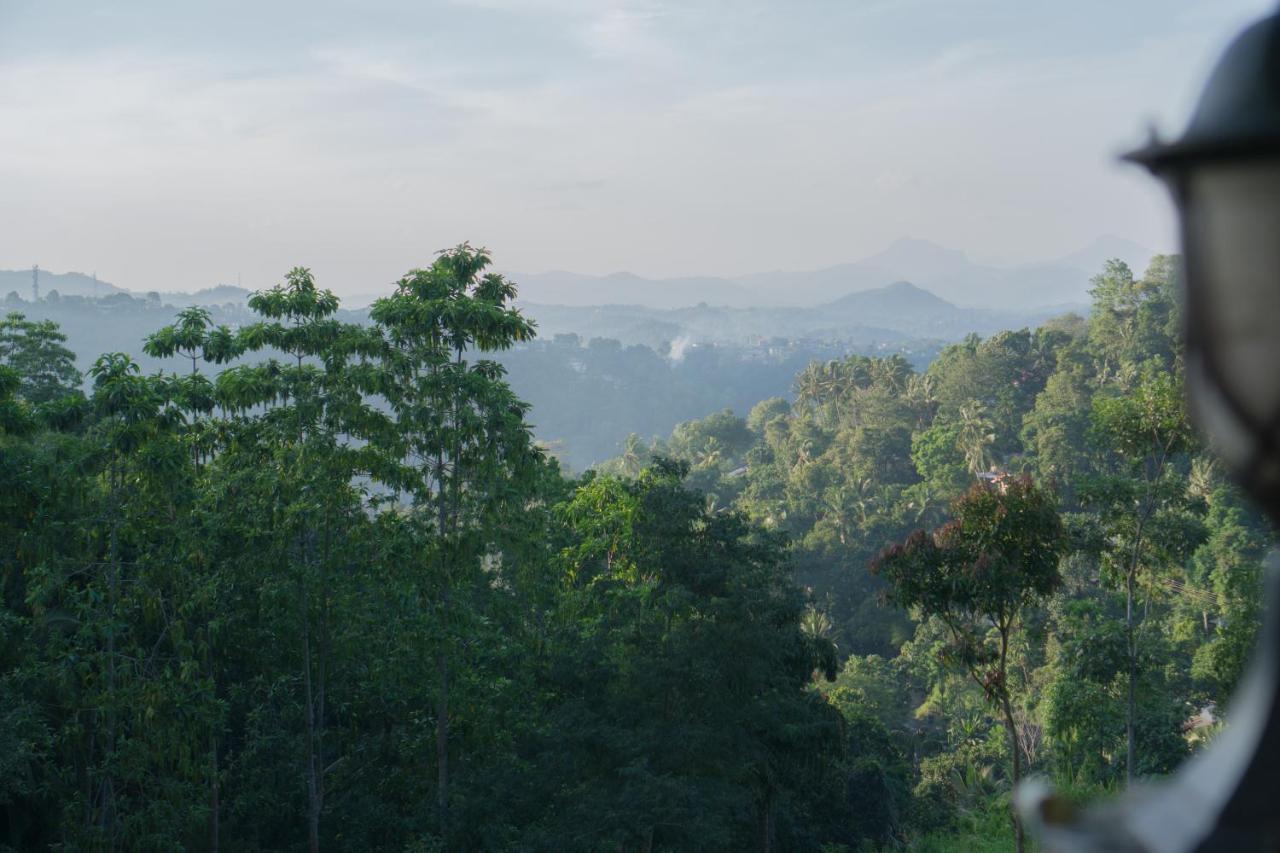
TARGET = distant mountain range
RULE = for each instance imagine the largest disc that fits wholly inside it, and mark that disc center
(66, 284)
(219, 295)
(899, 317)
(947, 273)
(80, 284)
(889, 315)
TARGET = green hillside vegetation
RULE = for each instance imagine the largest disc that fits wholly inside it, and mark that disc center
(315, 586)
(1091, 411)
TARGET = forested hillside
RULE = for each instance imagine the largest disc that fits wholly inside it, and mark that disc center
(316, 587)
(586, 391)
(1120, 662)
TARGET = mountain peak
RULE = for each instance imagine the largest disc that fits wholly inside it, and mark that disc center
(916, 258)
(919, 244)
(1091, 257)
(899, 296)
(903, 286)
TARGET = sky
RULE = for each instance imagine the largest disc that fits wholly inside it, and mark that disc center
(173, 146)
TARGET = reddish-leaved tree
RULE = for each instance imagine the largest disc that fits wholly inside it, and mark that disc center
(977, 573)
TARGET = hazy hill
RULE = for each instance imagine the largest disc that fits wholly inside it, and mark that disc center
(899, 298)
(66, 283)
(79, 284)
(884, 315)
(874, 316)
(951, 275)
(948, 273)
(219, 295)
(623, 288)
(1097, 253)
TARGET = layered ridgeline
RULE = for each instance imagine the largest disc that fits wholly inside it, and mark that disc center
(948, 273)
(890, 315)
(600, 371)
(849, 300)
(45, 285)
(893, 315)
(317, 587)
(587, 390)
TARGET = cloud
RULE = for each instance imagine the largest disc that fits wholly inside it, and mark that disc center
(892, 181)
(373, 66)
(629, 33)
(712, 136)
(572, 186)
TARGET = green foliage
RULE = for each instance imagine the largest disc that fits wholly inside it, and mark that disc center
(681, 628)
(1159, 563)
(1056, 429)
(983, 831)
(997, 557)
(33, 349)
(1083, 706)
(938, 458)
(1135, 319)
(1228, 568)
(319, 588)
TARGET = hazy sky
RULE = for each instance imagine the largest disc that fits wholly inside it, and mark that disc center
(172, 145)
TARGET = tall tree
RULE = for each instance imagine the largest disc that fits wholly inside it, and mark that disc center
(978, 574)
(681, 704)
(458, 442)
(309, 408)
(34, 350)
(1140, 500)
(1134, 320)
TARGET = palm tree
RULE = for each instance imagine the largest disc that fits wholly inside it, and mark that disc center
(977, 434)
(809, 385)
(709, 454)
(893, 374)
(924, 505)
(838, 502)
(633, 453)
(1202, 477)
(815, 624)
(920, 392)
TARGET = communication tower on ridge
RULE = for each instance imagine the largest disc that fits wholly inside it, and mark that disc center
(35, 283)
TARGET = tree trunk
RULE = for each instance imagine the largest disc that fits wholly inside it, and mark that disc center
(315, 782)
(1015, 752)
(1132, 666)
(442, 743)
(1019, 840)
(442, 659)
(214, 804)
(442, 720)
(764, 825)
(113, 583)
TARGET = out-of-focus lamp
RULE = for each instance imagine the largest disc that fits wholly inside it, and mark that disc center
(1224, 174)
(1225, 177)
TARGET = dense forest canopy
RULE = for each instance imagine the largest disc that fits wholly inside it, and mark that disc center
(316, 586)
